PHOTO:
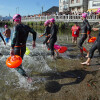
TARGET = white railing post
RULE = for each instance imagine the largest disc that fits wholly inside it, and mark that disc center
(46, 17)
(68, 17)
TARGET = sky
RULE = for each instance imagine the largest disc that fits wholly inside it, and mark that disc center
(25, 7)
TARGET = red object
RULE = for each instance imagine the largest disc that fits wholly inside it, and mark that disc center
(14, 61)
(81, 50)
(92, 40)
(75, 31)
(84, 49)
(88, 32)
(61, 49)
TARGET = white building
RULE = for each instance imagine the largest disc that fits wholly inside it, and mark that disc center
(93, 5)
(63, 5)
(78, 5)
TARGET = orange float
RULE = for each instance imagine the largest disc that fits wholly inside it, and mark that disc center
(62, 49)
(92, 40)
(14, 61)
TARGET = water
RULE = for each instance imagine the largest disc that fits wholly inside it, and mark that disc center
(13, 86)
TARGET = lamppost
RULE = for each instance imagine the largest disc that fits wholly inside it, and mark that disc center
(42, 10)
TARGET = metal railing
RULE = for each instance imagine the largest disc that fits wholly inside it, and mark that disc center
(61, 18)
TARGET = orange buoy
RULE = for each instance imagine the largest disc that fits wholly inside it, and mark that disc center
(62, 49)
(92, 39)
(14, 61)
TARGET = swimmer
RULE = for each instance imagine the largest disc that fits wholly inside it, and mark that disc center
(95, 46)
(46, 33)
(53, 37)
(85, 27)
(18, 44)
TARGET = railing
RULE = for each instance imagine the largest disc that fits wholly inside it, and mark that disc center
(61, 18)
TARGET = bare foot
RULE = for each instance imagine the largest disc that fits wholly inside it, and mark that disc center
(85, 63)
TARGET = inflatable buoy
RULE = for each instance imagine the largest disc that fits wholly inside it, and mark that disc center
(61, 49)
(92, 40)
(14, 61)
(27, 51)
(57, 47)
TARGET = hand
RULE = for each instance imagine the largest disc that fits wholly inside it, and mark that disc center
(95, 29)
(11, 52)
(4, 43)
(40, 36)
(33, 44)
(48, 41)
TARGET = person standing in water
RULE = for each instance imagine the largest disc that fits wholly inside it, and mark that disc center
(85, 28)
(18, 44)
(7, 33)
(75, 32)
(46, 33)
(95, 46)
(53, 36)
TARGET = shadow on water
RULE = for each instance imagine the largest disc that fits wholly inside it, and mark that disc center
(53, 86)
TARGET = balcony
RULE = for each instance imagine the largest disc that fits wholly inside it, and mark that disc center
(65, 2)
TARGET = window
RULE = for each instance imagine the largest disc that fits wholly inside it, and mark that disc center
(96, 3)
(72, 1)
(60, 7)
(77, 1)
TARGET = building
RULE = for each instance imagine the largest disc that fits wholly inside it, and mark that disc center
(93, 5)
(63, 5)
(78, 6)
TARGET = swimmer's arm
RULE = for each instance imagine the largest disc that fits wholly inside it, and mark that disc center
(14, 40)
(95, 29)
(88, 26)
(2, 37)
(33, 32)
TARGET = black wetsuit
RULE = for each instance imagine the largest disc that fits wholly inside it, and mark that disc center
(2, 37)
(95, 46)
(46, 33)
(53, 37)
(19, 42)
(84, 28)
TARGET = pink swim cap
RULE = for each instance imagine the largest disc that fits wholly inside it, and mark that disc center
(47, 23)
(17, 18)
(98, 11)
(84, 15)
(52, 20)
(5, 26)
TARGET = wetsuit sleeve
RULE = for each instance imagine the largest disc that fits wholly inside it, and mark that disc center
(88, 26)
(2, 37)
(33, 32)
(45, 31)
(14, 39)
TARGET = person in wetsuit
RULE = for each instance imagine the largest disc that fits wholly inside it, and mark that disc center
(46, 33)
(95, 46)
(18, 44)
(53, 36)
(85, 28)
(2, 39)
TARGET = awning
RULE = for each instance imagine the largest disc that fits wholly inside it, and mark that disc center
(93, 10)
